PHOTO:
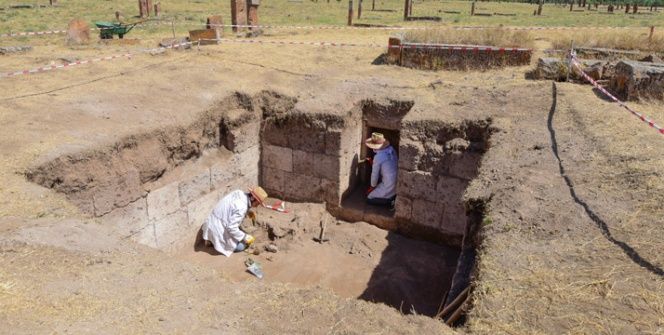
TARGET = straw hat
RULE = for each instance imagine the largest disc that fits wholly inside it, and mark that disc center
(377, 141)
(258, 193)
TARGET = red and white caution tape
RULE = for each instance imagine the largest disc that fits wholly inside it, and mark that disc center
(643, 118)
(82, 62)
(34, 33)
(456, 47)
(279, 206)
(323, 44)
(63, 66)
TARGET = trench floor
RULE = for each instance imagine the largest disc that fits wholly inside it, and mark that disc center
(359, 260)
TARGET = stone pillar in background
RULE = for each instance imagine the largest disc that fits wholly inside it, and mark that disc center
(78, 32)
(252, 14)
(394, 50)
(238, 14)
(143, 8)
(53, 2)
(157, 9)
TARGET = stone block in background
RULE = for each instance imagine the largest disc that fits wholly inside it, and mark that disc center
(278, 157)
(417, 185)
(222, 173)
(243, 137)
(194, 187)
(163, 201)
(427, 213)
(450, 190)
(333, 140)
(200, 209)
(403, 208)
(303, 162)
(78, 32)
(464, 165)
(303, 188)
(146, 236)
(636, 80)
(274, 135)
(454, 219)
(117, 192)
(331, 192)
(409, 154)
(204, 36)
(246, 162)
(128, 220)
(273, 180)
(307, 139)
(326, 167)
(173, 229)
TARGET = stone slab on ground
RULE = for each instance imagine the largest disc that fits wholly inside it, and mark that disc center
(637, 80)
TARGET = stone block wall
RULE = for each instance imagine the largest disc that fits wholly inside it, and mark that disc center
(170, 215)
(638, 80)
(309, 157)
(434, 172)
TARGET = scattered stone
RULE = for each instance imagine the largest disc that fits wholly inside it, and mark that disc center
(157, 51)
(272, 248)
(14, 49)
(169, 42)
(652, 58)
(21, 6)
(78, 32)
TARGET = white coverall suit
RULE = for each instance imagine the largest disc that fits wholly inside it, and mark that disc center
(222, 227)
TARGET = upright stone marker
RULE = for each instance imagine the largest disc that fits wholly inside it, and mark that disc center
(252, 14)
(157, 9)
(238, 14)
(78, 32)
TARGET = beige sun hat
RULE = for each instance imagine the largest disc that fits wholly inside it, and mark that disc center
(377, 141)
(259, 194)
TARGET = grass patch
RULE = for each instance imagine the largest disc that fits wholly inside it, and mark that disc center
(497, 37)
(627, 40)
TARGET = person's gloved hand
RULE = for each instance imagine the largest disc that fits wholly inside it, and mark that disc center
(370, 189)
(249, 240)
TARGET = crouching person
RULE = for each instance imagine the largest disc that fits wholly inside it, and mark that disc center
(383, 188)
(222, 227)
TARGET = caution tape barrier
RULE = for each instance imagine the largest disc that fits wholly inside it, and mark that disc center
(642, 117)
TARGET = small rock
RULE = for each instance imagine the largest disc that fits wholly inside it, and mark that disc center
(272, 248)
(651, 59)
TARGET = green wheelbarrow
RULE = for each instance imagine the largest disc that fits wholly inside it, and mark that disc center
(108, 29)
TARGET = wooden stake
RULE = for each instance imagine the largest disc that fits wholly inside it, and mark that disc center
(350, 12)
(359, 9)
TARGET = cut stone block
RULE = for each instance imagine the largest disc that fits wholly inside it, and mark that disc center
(221, 174)
(194, 188)
(454, 219)
(427, 213)
(244, 137)
(333, 141)
(118, 192)
(278, 157)
(409, 154)
(465, 166)
(199, 210)
(417, 185)
(450, 191)
(303, 162)
(304, 188)
(163, 201)
(330, 192)
(307, 139)
(326, 167)
(246, 162)
(128, 220)
(273, 180)
(78, 32)
(146, 236)
(274, 135)
(403, 208)
(171, 229)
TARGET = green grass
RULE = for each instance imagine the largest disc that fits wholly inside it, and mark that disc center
(307, 12)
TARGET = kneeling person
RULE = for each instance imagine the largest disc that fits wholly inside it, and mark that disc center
(222, 227)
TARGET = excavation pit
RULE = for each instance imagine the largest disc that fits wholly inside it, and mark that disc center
(157, 189)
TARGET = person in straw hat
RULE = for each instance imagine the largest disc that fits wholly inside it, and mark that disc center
(222, 227)
(383, 188)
